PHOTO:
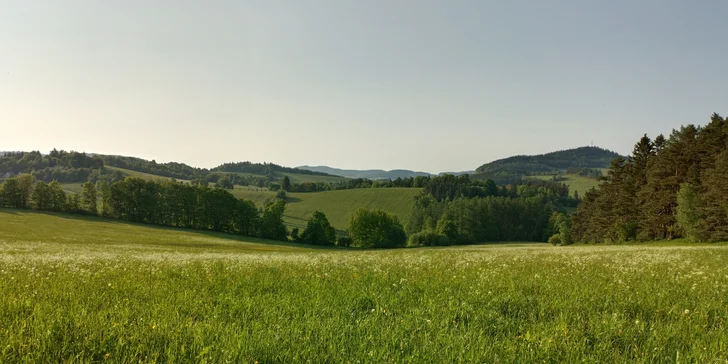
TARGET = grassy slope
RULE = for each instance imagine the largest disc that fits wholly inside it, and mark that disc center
(340, 205)
(258, 195)
(89, 290)
(575, 183)
(337, 205)
(101, 234)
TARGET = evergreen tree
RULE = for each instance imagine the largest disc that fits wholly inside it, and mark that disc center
(286, 184)
(714, 210)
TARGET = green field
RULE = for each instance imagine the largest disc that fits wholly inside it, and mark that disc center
(575, 183)
(258, 195)
(81, 289)
(340, 205)
(337, 205)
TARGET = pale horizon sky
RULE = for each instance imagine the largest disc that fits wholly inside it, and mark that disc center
(431, 86)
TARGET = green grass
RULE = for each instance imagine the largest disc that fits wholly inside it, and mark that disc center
(340, 205)
(575, 183)
(258, 195)
(90, 290)
(72, 187)
(100, 234)
(337, 205)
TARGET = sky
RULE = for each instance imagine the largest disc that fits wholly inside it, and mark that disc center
(425, 85)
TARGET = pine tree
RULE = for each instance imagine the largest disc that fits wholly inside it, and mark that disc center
(714, 225)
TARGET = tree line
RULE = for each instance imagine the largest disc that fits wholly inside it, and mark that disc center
(458, 210)
(176, 204)
(585, 172)
(668, 188)
(349, 184)
(57, 165)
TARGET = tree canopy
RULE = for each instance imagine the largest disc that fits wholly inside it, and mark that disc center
(668, 188)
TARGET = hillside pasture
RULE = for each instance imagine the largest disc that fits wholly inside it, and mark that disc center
(575, 182)
(337, 205)
(340, 205)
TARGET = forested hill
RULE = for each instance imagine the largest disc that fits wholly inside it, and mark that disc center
(550, 163)
(171, 169)
(265, 168)
(368, 173)
(183, 171)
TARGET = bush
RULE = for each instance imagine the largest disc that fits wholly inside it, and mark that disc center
(555, 240)
(428, 238)
(344, 241)
(319, 231)
(376, 229)
(294, 235)
(281, 195)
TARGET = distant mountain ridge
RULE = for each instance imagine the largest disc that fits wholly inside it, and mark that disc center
(367, 173)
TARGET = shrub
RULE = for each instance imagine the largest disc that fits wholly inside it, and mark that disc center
(428, 238)
(318, 230)
(344, 240)
(294, 235)
(555, 240)
(376, 229)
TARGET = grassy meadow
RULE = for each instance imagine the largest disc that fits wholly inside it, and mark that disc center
(337, 205)
(79, 289)
(340, 205)
(575, 182)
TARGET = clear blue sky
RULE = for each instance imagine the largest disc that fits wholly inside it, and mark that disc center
(424, 85)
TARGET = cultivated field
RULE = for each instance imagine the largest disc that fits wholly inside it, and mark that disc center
(86, 289)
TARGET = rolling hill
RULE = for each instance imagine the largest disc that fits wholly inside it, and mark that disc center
(367, 173)
(337, 205)
(511, 169)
